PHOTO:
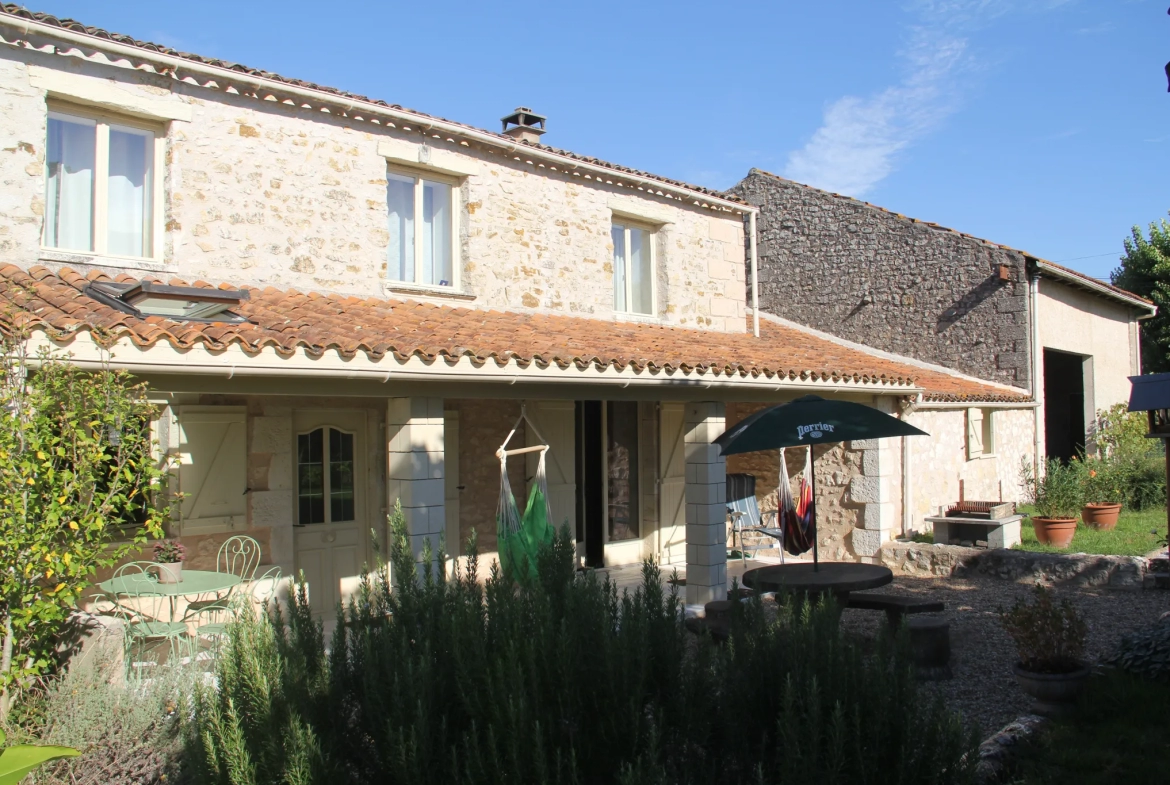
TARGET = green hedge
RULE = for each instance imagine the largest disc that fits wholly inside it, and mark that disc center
(451, 681)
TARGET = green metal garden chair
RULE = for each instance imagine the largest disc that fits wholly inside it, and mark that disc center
(211, 620)
(146, 614)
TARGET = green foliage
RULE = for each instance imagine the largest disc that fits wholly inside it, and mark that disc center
(1059, 493)
(127, 733)
(431, 679)
(1145, 652)
(1145, 271)
(1129, 468)
(1117, 431)
(169, 552)
(1050, 638)
(76, 475)
(18, 760)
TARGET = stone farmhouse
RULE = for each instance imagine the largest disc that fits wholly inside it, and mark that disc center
(862, 274)
(340, 303)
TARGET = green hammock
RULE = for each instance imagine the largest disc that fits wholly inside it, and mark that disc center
(520, 538)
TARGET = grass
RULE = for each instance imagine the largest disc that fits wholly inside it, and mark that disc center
(1136, 534)
(1118, 734)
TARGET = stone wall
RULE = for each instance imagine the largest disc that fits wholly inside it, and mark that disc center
(872, 276)
(265, 193)
(483, 426)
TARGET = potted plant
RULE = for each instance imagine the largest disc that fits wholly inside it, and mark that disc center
(1102, 494)
(1050, 640)
(169, 556)
(1057, 497)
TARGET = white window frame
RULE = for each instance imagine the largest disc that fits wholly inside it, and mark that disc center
(101, 174)
(651, 230)
(456, 185)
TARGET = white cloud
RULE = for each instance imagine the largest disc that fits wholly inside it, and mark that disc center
(861, 138)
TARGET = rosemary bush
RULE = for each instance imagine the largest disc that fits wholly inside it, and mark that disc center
(437, 680)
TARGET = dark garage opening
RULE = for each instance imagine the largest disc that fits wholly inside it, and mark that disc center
(1064, 404)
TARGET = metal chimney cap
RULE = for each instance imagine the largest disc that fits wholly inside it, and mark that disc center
(523, 117)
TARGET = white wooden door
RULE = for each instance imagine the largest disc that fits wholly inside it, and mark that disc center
(672, 529)
(555, 421)
(213, 475)
(330, 501)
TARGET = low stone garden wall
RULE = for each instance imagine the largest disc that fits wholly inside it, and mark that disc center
(1082, 569)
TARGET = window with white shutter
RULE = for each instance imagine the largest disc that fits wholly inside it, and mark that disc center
(212, 469)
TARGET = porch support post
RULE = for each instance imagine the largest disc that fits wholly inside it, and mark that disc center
(706, 498)
(874, 491)
(414, 436)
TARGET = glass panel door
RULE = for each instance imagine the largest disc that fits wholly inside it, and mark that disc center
(621, 429)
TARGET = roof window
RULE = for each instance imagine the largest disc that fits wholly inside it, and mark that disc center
(147, 298)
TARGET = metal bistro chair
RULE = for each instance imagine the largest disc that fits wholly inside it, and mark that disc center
(211, 621)
(746, 516)
(240, 556)
(146, 616)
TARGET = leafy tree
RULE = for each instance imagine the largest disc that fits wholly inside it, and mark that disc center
(1145, 271)
(80, 488)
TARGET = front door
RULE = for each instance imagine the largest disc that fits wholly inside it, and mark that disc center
(331, 494)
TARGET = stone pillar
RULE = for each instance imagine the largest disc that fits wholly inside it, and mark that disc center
(414, 436)
(706, 499)
(270, 476)
(873, 491)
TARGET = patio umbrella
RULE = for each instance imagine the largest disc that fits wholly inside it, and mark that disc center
(807, 421)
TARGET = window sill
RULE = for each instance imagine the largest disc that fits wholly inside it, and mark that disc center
(101, 260)
(423, 290)
(647, 318)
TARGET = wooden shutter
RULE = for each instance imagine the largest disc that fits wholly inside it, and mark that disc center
(672, 531)
(974, 433)
(451, 481)
(213, 469)
(555, 421)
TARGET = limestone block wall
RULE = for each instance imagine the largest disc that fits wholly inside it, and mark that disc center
(872, 276)
(938, 463)
(264, 193)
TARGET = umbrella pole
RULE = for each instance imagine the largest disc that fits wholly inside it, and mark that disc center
(812, 480)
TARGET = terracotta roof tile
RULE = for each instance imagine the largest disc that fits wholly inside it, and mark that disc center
(288, 321)
(74, 26)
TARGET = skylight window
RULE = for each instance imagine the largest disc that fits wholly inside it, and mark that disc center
(147, 298)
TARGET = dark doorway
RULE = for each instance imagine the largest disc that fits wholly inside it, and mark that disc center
(1064, 404)
(590, 483)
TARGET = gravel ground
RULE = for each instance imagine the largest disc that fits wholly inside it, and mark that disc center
(983, 689)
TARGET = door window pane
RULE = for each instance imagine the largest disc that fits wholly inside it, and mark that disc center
(436, 261)
(622, 466)
(341, 477)
(311, 477)
(640, 291)
(400, 200)
(129, 194)
(69, 199)
(618, 235)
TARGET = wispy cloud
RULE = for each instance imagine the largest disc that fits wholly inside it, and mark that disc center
(861, 138)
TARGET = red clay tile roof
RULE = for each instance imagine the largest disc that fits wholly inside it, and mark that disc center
(1057, 269)
(289, 321)
(74, 26)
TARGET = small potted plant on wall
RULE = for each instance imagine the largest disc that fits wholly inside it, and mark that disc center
(1050, 639)
(1102, 494)
(1057, 497)
(169, 556)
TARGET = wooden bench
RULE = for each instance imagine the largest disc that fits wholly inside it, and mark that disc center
(895, 606)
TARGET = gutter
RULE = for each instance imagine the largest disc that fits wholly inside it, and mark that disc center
(224, 77)
(755, 275)
(1037, 368)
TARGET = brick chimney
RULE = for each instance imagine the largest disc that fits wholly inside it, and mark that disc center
(524, 125)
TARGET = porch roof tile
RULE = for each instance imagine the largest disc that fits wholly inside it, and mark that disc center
(289, 321)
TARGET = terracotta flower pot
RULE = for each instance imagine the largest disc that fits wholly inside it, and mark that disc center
(1055, 531)
(170, 572)
(1053, 693)
(1101, 516)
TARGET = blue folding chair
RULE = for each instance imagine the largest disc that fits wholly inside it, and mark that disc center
(746, 516)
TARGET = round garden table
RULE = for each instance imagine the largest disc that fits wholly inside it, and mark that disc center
(837, 578)
(195, 582)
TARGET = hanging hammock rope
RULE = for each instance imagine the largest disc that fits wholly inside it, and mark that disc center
(520, 537)
(796, 515)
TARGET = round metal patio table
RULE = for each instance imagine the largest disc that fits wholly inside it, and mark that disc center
(195, 582)
(837, 578)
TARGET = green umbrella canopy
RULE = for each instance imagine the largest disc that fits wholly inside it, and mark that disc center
(811, 420)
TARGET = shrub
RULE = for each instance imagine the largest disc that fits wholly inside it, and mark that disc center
(1142, 477)
(1059, 493)
(1117, 431)
(1102, 481)
(1145, 652)
(437, 680)
(1050, 638)
(77, 475)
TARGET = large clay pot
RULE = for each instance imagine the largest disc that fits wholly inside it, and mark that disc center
(1055, 531)
(170, 572)
(1053, 693)
(1101, 516)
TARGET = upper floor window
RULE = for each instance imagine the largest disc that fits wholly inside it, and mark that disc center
(422, 230)
(101, 183)
(633, 269)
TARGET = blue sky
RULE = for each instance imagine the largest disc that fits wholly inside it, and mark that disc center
(1040, 124)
